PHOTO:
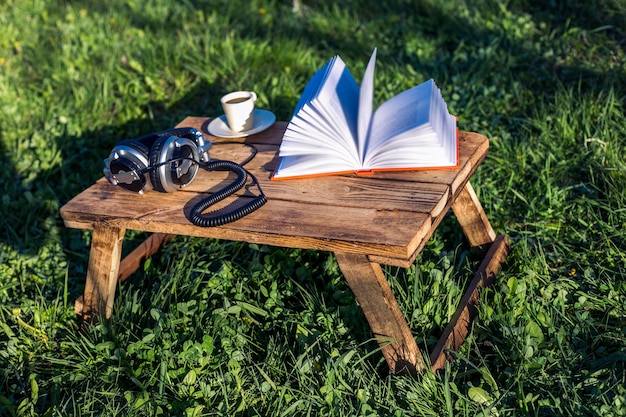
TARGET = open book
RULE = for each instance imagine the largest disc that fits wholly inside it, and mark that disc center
(334, 128)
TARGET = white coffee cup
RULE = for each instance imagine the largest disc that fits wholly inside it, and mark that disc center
(238, 108)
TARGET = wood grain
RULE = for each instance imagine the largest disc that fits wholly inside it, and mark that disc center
(102, 272)
(389, 215)
(472, 218)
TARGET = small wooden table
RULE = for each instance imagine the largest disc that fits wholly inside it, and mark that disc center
(386, 218)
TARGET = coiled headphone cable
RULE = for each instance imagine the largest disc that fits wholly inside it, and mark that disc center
(212, 219)
(215, 218)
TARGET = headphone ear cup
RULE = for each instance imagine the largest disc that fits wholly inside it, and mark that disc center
(173, 162)
(126, 166)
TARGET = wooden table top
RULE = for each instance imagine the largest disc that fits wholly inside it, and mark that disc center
(387, 216)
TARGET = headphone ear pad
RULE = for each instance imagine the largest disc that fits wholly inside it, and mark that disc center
(169, 172)
(130, 156)
(156, 176)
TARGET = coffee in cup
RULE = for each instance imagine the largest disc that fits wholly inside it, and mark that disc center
(238, 108)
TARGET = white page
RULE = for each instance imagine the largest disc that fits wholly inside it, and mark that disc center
(326, 112)
(304, 165)
(301, 138)
(410, 154)
(320, 125)
(337, 99)
(300, 143)
(314, 85)
(342, 135)
(366, 104)
(413, 129)
(304, 134)
(311, 119)
(323, 135)
(410, 130)
(293, 142)
(406, 111)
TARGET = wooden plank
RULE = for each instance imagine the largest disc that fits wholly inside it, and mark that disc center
(473, 148)
(458, 328)
(371, 289)
(472, 218)
(279, 223)
(457, 187)
(361, 192)
(348, 191)
(102, 272)
(341, 191)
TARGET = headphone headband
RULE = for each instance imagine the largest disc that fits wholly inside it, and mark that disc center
(181, 132)
(165, 160)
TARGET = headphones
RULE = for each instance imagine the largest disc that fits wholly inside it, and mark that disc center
(169, 160)
(164, 161)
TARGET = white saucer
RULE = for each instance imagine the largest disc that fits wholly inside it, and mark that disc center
(262, 120)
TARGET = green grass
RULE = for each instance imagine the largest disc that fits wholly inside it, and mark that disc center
(221, 328)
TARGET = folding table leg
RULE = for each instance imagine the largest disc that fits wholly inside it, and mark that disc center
(478, 230)
(458, 328)
(102, 273)
(472, 218)
(371, 289)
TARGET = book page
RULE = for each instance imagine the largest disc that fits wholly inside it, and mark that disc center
(325, 115)
(312, 88)
(406, 111)
(366, 103)
(301, 137)
(338, 99)
(326, 133)
(309, 165)
(413, 129)
(343, 134)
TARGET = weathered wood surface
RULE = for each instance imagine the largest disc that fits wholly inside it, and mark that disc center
(472, 218)
(386, 215)
(102, 272)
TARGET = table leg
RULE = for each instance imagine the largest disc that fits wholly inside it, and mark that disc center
(458, 328)
(102, 273)
(371, 289)
(472, 218)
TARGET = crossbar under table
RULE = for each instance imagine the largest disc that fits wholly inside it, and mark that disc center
(366, 221)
